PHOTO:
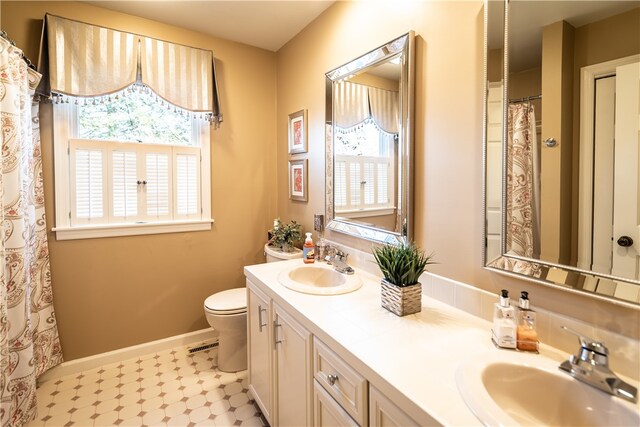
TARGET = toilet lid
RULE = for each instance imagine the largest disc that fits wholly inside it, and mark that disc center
(229, 301)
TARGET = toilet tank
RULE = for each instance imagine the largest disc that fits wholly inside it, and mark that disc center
(274, 254)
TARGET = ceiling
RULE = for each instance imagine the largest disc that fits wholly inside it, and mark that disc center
(528, 17)
(262, 23)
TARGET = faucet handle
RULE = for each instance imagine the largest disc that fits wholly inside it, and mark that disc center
(593, 352)
(588, 343)
(341, 255)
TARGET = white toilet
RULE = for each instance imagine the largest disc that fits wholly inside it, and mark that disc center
(274, 254)
(226, 312)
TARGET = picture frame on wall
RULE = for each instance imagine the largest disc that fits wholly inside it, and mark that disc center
(298, 180)
(298, 132)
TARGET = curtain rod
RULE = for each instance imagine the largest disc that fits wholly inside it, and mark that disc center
(526, 98)
(4, 35)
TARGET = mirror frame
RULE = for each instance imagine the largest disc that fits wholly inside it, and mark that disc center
(564, 277)
(402, 47)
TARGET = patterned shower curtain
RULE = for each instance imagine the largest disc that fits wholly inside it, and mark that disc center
(29, 343)
(522, 190)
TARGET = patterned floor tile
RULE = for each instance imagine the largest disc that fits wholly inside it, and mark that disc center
(168, 388)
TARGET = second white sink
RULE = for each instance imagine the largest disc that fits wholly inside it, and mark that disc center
(509, 388)
(318, 279)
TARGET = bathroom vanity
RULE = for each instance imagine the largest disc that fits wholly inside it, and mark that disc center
(344, 360)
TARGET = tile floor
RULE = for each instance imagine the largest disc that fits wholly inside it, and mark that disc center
(168, 388)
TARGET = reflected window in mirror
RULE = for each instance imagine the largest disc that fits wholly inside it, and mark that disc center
(369, 140)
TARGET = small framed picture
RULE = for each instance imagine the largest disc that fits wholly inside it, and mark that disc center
(298, 132)
(298, 180)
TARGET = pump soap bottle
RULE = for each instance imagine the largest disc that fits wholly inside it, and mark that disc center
(504, 322)
(308, 254)
(527, 336)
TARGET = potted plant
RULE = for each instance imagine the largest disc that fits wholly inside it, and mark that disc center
(401, 266)
(285, 236)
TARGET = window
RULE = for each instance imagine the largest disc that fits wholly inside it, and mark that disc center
(129, 164)
(364, 169)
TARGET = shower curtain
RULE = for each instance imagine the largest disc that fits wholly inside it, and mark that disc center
(29, 343)
(523, 188)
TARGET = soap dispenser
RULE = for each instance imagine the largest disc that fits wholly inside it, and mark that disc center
(504, 322)
(527, 336)
(308, 254)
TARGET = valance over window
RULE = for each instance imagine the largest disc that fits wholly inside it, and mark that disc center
(359, 102)
(87, 61)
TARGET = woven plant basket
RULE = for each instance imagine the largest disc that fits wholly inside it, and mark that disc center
(401, 300)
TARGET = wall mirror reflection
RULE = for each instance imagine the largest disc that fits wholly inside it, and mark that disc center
(562, 143)
(369, 142)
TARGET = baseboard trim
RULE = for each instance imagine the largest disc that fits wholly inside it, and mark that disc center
(78, 365)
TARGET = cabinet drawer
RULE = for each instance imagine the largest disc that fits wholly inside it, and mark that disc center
(344, 384)
(326, 412)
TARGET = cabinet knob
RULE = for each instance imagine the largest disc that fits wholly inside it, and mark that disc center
(332, 379)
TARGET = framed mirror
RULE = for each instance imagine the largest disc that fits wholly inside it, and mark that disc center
(562, 144)
(369, 144)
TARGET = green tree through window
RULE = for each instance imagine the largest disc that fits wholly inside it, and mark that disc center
(133, 115)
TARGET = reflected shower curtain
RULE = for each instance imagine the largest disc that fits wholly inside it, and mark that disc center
(523, 187)
(29, 343)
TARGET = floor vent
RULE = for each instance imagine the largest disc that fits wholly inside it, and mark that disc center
(202, 347)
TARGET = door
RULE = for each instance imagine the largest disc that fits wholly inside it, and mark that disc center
(626, 224)
(293, 371)
(327, 412)
(260, 350)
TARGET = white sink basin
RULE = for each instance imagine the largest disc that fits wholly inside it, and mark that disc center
(505, 388)
(318, 279)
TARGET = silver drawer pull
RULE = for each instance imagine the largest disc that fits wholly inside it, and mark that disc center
(332, 379)
(276, 325)
(260, 310)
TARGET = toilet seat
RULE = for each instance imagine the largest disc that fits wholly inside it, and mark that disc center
(231, 301)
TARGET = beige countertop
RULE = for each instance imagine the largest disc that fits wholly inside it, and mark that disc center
(411, 359)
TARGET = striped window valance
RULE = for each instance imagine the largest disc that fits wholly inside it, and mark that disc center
(84, 60)
(354, 103)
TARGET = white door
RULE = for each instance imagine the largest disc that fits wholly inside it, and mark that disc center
(626, 222)
(293, 371)
(603, 167)
(494, 171)
(260, 350)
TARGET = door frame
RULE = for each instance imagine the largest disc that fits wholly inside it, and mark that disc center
(588, 76)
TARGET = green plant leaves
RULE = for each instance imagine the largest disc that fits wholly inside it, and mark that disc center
(401, 265)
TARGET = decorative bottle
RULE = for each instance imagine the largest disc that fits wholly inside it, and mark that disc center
(308, 253)
(527, 336)
(504, 322)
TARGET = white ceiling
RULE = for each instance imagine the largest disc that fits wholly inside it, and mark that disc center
(262, 23)
(527, 17)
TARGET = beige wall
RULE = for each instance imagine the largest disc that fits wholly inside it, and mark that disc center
(116, 292)
(448, 142)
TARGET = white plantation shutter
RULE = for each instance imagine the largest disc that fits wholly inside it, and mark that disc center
(187, 183)
(124, 187)
(368, 183)
(383, 183)
(89, 196)
(158, 183)
(354, 185)
(340, 184)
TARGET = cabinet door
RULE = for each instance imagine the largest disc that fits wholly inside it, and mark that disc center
(260, 349)
(293, 370)
(326, 411)
(384, 413)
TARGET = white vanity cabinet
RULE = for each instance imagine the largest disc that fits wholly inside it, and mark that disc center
(259, 347)
(280, 377)
(384, 413)
(293, 382)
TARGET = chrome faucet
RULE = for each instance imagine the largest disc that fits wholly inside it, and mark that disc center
(591, 366)
(338, 259)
